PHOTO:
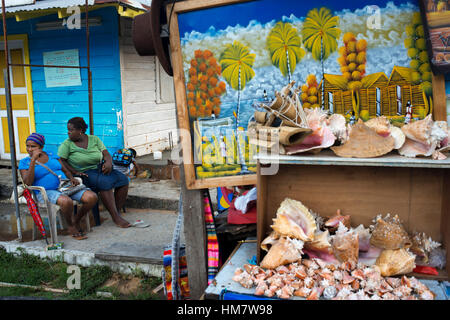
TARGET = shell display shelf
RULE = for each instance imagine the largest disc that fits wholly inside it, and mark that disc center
(417, 190)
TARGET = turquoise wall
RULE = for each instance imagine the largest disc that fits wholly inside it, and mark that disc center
(54, 106)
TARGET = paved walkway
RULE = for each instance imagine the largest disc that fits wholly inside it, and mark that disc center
(124, 250)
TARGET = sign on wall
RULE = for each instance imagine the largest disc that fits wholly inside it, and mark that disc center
(62, 77)
(364, 56)
(15, 3)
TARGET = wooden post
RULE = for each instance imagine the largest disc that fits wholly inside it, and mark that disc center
(195, 236)
(439, 98)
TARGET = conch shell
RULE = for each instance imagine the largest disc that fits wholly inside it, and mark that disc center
(320, 243)
(333, 222)
(389, 234)
(321, 136)
(364, 238)
(364, 143)
(422, 245)
(294, 220)
(399, 137)
(419, 131)
(381, 125)
(270, 241)
(395, 262)
(338, 126)
(423, 137)
(284, 251)
(345, 245)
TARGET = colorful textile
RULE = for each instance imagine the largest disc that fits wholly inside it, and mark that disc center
(183, 282)
(38, 138)
(213, 243)
(34, 211)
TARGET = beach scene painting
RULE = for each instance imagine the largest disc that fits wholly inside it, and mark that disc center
(360, 58)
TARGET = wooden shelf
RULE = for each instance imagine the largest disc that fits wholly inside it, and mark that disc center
(327, 158)
(417, 190)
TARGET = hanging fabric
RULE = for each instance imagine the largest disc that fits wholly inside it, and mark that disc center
(213, 243)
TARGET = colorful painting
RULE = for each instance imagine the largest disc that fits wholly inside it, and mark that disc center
(365, 58)
(437, 16)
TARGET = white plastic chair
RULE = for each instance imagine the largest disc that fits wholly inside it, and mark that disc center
(52, 211)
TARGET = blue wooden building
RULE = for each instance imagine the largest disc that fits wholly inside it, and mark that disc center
(44, 31)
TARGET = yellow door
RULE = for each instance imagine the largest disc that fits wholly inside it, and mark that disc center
(21, 97)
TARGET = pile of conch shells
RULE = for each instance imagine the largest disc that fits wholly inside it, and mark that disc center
(312, 130)
(342, 262)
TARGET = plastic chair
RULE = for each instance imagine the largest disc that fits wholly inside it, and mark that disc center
(52, 212)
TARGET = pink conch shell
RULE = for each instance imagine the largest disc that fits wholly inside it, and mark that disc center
(364, 143)
(395, 262)
(381, 125)
(294, 220)
(270, 241)
(419, 131)
(283, 252)
(333, 221)
(345, 245)
(321, 242)
(389, 233)
(412, 149)
(321, 137)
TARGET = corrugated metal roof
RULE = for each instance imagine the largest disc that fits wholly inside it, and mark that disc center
(54, 4)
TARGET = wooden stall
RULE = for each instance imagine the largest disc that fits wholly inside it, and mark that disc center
(417, 190)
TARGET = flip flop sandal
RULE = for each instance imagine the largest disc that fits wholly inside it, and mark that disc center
(79, 236)
(140, 224)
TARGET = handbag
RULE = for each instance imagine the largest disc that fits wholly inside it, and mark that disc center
(65, 185)
(123, 158)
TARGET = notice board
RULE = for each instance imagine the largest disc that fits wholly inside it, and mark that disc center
(62, 77)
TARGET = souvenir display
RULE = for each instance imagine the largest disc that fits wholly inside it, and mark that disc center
(345, 264)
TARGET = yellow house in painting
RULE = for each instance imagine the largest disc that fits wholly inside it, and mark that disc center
(379, 94)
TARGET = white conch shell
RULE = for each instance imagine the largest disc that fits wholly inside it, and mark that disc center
(338, 126)
(294, 220)
(438, 131)
(284, 251)
(395, 262)
(399, 137)
(345, 244)
(364, 237)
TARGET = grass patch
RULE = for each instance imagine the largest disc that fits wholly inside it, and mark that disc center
(23, 268)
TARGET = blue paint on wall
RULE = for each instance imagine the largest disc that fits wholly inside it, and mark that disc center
(55, 106)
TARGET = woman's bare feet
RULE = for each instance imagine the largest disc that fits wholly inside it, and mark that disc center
(121, 222)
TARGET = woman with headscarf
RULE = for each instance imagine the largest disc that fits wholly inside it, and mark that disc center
(86, 156)
(33, 173)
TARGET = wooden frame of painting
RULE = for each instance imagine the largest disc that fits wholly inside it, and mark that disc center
(184, 123)
(385, 87)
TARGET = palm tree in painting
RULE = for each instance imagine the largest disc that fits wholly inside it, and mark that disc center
(320, 35)
(237, 62)
(285, 49)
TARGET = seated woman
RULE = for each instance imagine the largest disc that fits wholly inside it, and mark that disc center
(82, 154)
(37, 175)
